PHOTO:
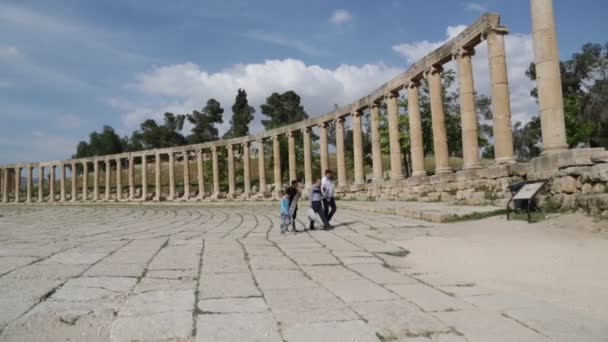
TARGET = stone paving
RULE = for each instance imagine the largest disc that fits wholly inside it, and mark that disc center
(193, 273)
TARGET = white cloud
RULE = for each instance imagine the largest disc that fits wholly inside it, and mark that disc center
(281, 40)
(341, 16)
(520, 54)
(416, 50)
(475, 7)
(10, 52)
(185, 87)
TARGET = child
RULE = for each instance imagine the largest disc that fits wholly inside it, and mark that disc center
(285, 217)
(316, 205)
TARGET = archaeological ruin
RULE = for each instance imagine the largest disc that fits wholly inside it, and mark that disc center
(577, 178)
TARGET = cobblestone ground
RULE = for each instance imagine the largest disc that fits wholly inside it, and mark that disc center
(144, 273)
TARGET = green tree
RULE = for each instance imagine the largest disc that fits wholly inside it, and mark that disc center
(526, 139)
(284, 109)
(242, 114)
(99, 144)
(152, 135)
(204, 122)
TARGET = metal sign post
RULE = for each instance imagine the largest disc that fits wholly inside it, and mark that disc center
(524, 193)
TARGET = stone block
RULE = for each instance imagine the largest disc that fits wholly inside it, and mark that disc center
(564, 159)
(442, 178)
(597, 173)
(568, 185)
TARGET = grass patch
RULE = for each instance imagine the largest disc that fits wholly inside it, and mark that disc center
(476, 216)
(386, 338)
(536, 216)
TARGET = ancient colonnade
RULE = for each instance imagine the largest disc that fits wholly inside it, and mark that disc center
(461, 49)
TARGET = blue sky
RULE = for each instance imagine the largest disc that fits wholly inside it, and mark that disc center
(67, 67)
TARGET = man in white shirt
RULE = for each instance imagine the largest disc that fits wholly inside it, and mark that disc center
(327, 188)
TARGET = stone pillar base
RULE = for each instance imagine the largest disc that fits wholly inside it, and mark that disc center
(419, 173)
(443, 170)
(475, 166)
(553, 149)
(505, 160)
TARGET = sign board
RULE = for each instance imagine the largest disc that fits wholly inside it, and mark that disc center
(528, 191)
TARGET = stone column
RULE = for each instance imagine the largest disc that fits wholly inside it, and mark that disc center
(416, 142)
(52, 183)
(186, 169)
(118, 179)
(246, 170)
(17, 184)
(501, 106)
(200, 179)
(291, 148)
(306, 132)
(231, 185)
(323, 147)
(216, 172)
(144, 177)
(5, 185)
(108, 183)
(28, 194)
(440, 140)
(171, 176)
(548, 77)
(393, 135)
(85, 180)
(131, 176)
(358, 146)
(40, 184)
(468, 115)
(340, 157)
(96, 180)
(157, 179)
(73, 192)
(376, 147)
(261, 167)
(276, 156)
(62, 183)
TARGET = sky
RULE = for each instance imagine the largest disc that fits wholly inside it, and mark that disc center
(69, 67)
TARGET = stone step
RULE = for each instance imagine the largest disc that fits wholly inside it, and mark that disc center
(429, 211)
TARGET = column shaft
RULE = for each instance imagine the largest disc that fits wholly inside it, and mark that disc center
(186, 169)
(291, 145)
(144, 178)
(62, 183)
(468, 114)
(358, 146)
(393, 135)
(307, 157)
(376, 147)
(157, 179)
(17, 184)
(246, 170)
(276, 151)
(416, 142)
(171, 176)
(261, 167)
(5, 185)
(340, 157)
(216, 172)
(231, 186)
(501, 106)
(73, 172)
(52, 183)
(40, 184)
(85, 181)
(28, 194)
(95, 180)
(131, 175)
(548, 76)
(118, 179)
(323, 147)
(200, 174)
(440, 142)
(107, 179)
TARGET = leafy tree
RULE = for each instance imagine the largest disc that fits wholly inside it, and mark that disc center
(284, 109)
(152, 135)
(242, 114)
(526, 139)
(204, 122)
(102, 143)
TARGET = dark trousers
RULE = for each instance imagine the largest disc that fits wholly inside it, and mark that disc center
(329, 203)
(293, 218)
(318, 208)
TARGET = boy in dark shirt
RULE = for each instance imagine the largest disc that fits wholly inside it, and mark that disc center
(294, 194)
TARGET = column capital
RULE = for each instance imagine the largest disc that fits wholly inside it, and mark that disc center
(374, 104)
(340, 119)
(246, 144)
(393, 94)
(464, 51)
(500, 30)
(358, 112)
(413, 84)
(292, 134)
(435, 69)
(275, 137)
(306, 129)
(324, 124)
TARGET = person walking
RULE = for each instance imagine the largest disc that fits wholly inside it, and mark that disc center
(327, 188)
(316, 198)
(294, 195)
(284, 211)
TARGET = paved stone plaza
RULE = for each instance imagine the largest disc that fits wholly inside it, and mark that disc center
(224, 273)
